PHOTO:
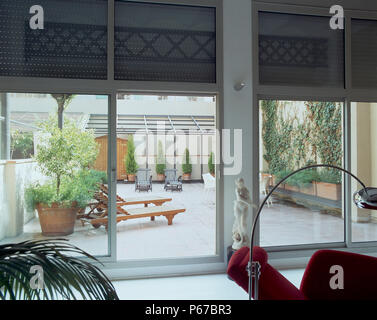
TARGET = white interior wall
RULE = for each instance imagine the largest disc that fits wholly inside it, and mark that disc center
(237, 111)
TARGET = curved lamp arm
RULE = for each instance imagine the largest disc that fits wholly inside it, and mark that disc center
(253, 270)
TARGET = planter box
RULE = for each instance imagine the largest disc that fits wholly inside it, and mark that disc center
(330, 191)
(310, 190)
(291, 188)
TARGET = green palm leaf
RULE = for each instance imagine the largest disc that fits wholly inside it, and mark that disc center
(64, 276)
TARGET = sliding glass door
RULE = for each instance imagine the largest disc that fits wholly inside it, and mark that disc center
(67, 120)
(166, 185)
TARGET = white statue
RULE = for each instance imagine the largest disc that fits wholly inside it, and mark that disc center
(241, 210)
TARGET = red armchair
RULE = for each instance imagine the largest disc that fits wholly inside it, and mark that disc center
(360, 276)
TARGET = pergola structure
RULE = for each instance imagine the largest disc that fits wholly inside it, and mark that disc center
(147, 125)
(155, 124)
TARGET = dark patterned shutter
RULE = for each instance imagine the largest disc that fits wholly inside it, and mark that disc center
(300, 50)
(364, 53)
(159, 42)
(73, 43)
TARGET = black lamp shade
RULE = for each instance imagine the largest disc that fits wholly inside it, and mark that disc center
(366, 198)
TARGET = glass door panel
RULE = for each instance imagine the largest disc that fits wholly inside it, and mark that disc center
(54, 154)
(308, 207)
(166, 192)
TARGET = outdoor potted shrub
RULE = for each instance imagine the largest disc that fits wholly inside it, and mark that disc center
(211, 165)
(160, 165)
(186, 165)
(306, 181)
(131, 165)
(22, 145)
(279, 176)
(64, 157)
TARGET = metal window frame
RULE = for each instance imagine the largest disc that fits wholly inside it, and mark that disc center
(110, 88)
(281, 254)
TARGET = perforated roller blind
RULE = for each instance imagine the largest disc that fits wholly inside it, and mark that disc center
(160, 42)
(300, 50)
(364, 53)
(73, 43)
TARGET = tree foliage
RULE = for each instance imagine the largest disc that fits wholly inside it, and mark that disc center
(211, 164)
(186, 164)
(130, 162)
(161, 161)
(65, 156)
(291, 141)
(22, 144)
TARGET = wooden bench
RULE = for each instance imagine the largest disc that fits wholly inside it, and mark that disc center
(152, 212)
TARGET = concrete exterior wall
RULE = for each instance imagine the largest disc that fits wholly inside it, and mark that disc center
(373, 152)
(360, 156)
(15, 176)
(364, 152)
(4, 218)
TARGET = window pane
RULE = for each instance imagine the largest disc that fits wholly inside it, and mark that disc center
(165, 42)
(364, 51)
(300, 50)
(46, 167)
(73, 43)
(308, 207)
(161, 129)
(363, 165)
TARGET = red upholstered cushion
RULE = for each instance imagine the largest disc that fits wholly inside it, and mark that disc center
(272, 285)
(360, 276)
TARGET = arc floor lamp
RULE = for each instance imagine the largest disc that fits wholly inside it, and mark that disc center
(365, 198)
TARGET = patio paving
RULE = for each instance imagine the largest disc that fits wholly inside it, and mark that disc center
(193, 233)
(285, 223)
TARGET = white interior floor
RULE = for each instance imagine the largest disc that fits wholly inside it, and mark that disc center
(205, 287)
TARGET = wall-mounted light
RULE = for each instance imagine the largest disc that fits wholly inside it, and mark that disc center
(239, 86)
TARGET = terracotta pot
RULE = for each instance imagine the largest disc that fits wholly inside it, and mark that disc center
(330, 191)
(57, 221)
(131, 177)
(160, 177)
(186, 176)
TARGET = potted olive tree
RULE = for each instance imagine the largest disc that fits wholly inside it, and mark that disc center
(186, 165)
(130, 162)
(161, 163)
(211, 165)
(64, 156)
